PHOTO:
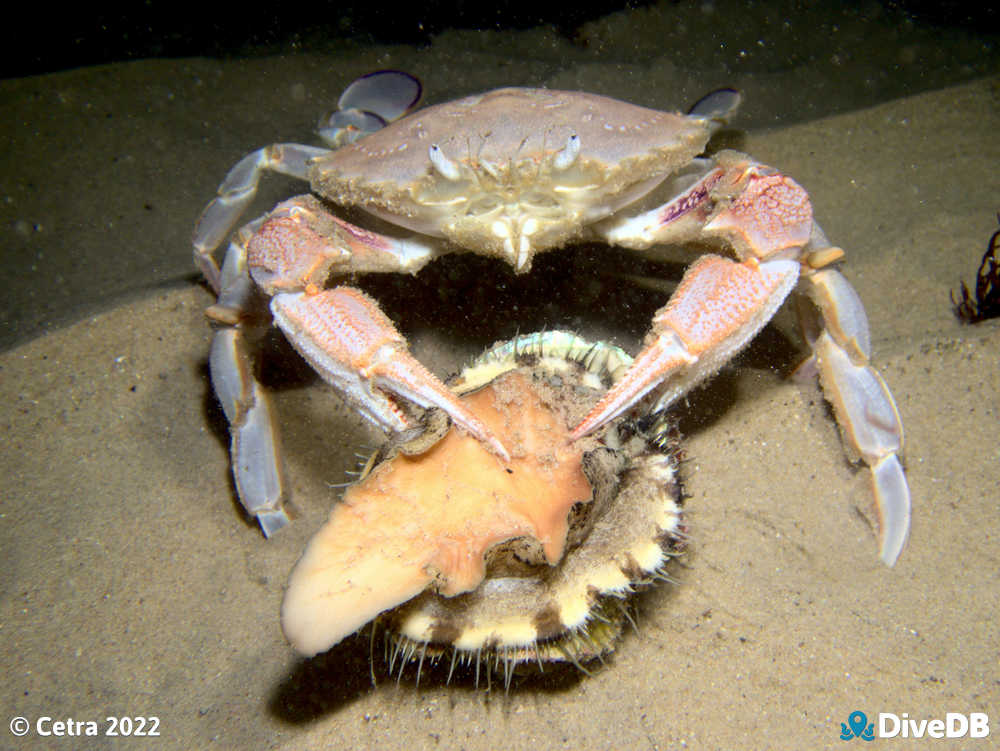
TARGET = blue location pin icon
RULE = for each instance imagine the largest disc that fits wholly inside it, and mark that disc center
(857, 721)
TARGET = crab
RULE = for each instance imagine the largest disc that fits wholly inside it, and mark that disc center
(509, 174)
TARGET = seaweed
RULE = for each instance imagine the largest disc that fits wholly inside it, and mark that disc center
(987, 301)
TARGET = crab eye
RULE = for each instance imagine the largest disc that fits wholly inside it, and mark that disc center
(447, 168)
(568, 153)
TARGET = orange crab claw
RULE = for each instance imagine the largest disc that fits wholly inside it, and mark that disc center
(719, 306)
(354, 346)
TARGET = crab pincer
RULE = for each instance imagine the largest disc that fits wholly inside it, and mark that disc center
(353, 345)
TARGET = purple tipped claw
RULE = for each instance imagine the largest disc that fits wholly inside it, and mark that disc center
(368, 104)
(390, 94)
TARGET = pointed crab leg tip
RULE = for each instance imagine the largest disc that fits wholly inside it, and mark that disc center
(404, 376)
(892, 496)
(603, 412)
(272, 521)
(480, 432)
(585, 427)
(500, 450)
(649, 369)
(889, 555)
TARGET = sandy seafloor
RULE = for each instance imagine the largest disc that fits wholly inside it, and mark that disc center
(133, 586)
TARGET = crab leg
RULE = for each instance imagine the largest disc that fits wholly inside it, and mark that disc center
(862, 402)
(300, 244)
(289, 254)
(235, 194)
(353, 345)
(765, 216)
(368, 104)
(342, 332)
(719, 306)
(255, 452)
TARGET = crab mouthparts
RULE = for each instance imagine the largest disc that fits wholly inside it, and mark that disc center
(516, 240)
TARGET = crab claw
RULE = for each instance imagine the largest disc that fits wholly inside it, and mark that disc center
(719, 306)
(353, 345)
(770, 214)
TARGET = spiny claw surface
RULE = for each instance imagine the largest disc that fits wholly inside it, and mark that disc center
(771, 213)
(719, 306)
(354, 346)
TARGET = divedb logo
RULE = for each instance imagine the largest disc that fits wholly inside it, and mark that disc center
(889, 725)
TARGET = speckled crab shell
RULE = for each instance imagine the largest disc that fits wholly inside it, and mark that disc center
(543, 163)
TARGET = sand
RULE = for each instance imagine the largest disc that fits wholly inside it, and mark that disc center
(133, 585)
